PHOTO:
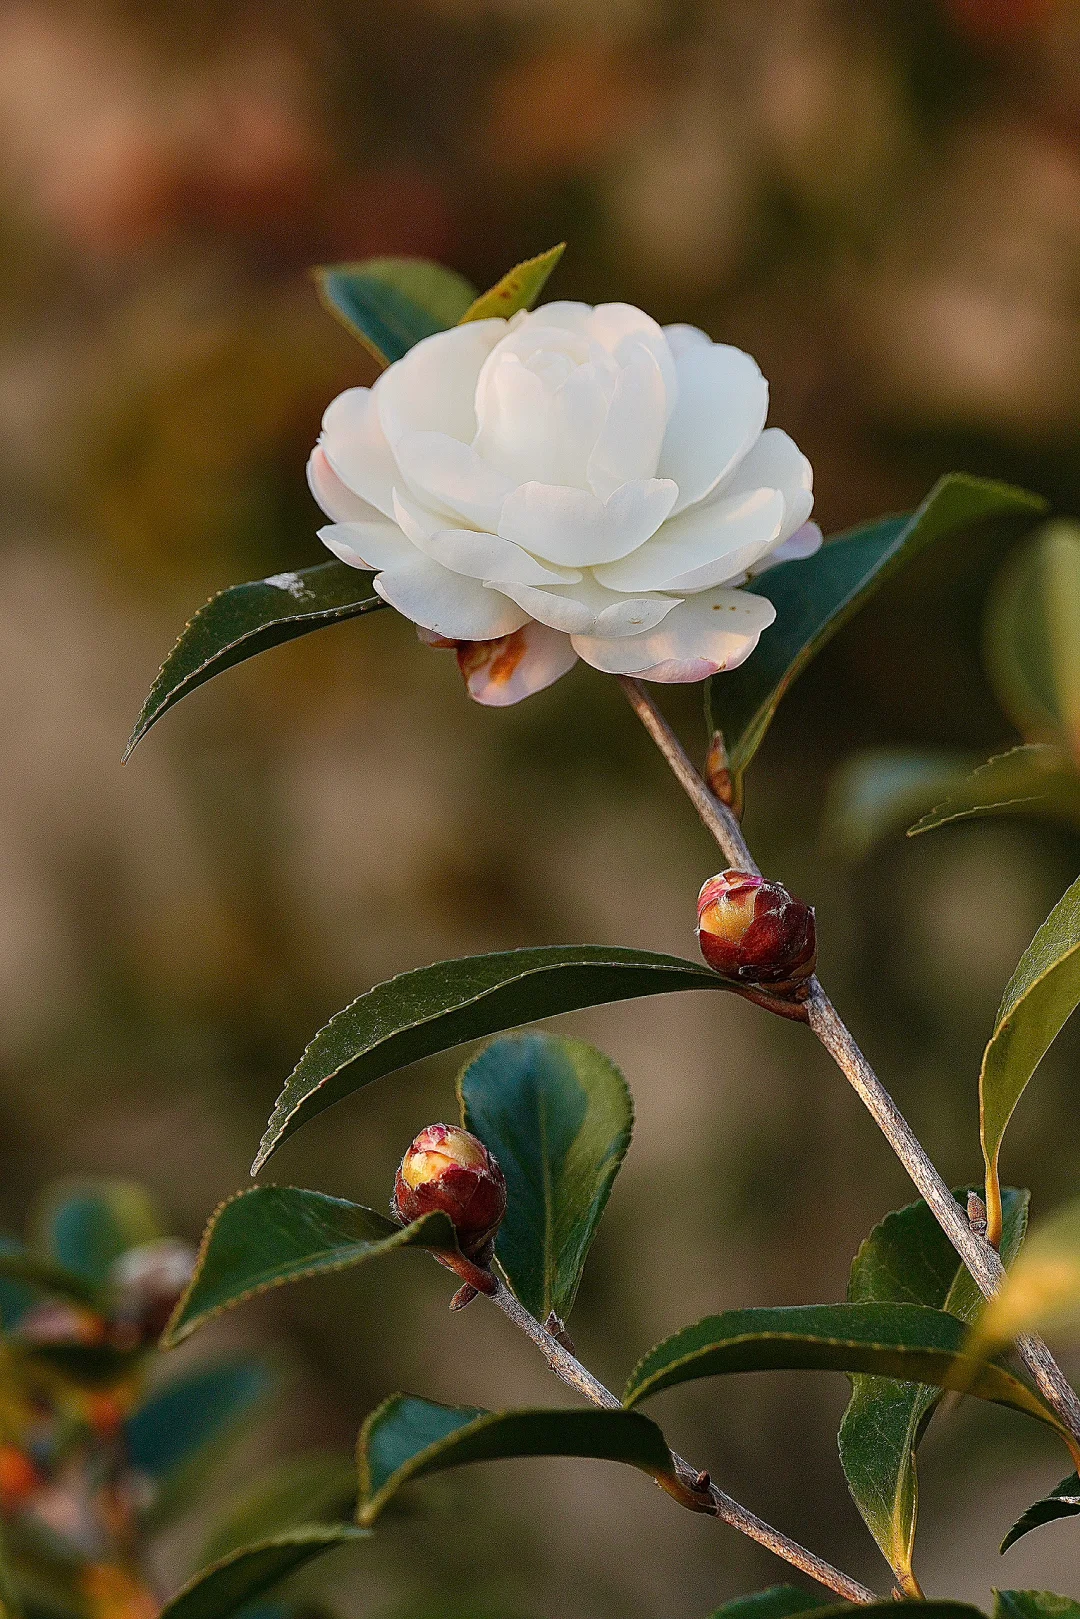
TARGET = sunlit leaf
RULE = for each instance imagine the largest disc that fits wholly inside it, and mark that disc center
(270, 1235)
(815, 597)
(906, 1341)
(558, 1116)
(1032, 636)
(1035, 779)
(233, 1582)
(1042, 1290)
(406, 1438)
(1034, 1605)
(907, 1259)
(319, 1487)
(876, 794)
(246, 619)
(518, 289)
(1062, 1502)
(436, 1008)
(1038, 1000)
(392, 304)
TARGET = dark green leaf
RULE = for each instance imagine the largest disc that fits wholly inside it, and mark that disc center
(319, 1487)
(230, 1584)
(435, 1008)
(270, 1235)
(392, 304)
(1032, 636)
(405, 1438)
(558, 1116)
(1034, 1605)
(875, 794)
(518, 289)
(25, 1275)
(246, 619)
(815, 597)
(1038, 999)
(84, 1226)
(1062, 1502)
(907, 1259)
(778, 1602)
(1034, 779)
(906, 1341)
(919, 1609)
(193, 1411)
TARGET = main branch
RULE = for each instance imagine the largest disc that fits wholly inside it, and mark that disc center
(977, 1254)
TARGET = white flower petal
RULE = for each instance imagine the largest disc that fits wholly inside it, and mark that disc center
(439, 469)
(576, 529)
(681, 337)
(335, 498)
(702, 547)
(432, 389)
(619, 328)
(469, 551)
(723, 401)
(702, 635)
(448, 603)
(589, 609)
(628, 446)
(802, 544)
(776, 462)
(498, 673)
(355, 445)
(367, 545)
(559, 612)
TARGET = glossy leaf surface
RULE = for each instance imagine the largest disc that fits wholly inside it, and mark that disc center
(1034, 779)
(1039, 998)
(907, 1259)
(246, 619)
(229, 1585)
(815, 597)
(406, 1438)
(270, 1235)
(392, 304)
(906, 1341)
(518, 289)
(436, 1008)
(1034, 1605)
(557, 1115)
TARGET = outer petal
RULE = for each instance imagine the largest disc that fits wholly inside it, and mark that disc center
(453, 477)
(576, 529)
(722, 404)
(802, 544)
(704, 634)
(588, 609)
(355, 446)
(776, 462)
(469, 551)
(336, 500)
(432, 389)
(681, 337)
(498, 673)
(628, 446)
(448, 603)
(367, 545)
(703, 547)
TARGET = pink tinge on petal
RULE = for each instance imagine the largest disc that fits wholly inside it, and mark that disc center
(501, 672)
(430, 638)
(681, 671)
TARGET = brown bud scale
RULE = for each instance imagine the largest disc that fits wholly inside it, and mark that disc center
(448, 1169)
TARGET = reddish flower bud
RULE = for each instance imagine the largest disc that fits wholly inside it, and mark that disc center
(447, 1168)
(753, 932)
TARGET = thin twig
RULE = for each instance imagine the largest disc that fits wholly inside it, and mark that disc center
(576, 1376)
(977, 1254)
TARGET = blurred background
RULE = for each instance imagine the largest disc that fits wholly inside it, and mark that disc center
(881, 201)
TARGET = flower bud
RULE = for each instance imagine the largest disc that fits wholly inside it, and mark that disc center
(753, 932)
(447, 1168)
(148, 1282)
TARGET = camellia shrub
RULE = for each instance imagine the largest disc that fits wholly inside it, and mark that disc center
(531, 486)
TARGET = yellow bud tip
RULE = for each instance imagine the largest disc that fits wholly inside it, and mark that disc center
(439, 1148)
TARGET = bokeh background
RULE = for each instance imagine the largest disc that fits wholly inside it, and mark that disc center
(881, 201)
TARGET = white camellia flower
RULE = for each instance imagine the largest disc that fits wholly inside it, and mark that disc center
(574, 482)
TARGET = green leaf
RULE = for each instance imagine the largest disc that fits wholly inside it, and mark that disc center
(392, 304)
(883, 1610)
(189, 1413)
(319, 1487)
(778, 1602)
(24, 1275)
(246, 619)
(1042, 1290)
(1038, 1000)
(436, 1008)
(1034, 779)
(518, 289)
(1032, 636)
(85, 1226)
(813, 598)
(907, 1259)
(230, 1584)
(406, 1438)
(558, 1116)
(876, 793)
(1062, 1502)
(1034, 1605)
(906, 1341)
(270, 1235)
